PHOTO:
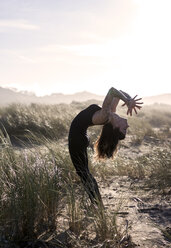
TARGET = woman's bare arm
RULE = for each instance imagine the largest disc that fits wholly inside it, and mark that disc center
(114, 104)
(132, 103)
(112, 99)
(109, 105)
(115, 101)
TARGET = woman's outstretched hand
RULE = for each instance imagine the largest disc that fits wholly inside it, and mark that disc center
(133, 104)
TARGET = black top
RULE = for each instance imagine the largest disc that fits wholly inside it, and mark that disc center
(81, 122)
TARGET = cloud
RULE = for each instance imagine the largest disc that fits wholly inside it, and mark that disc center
(18, 24)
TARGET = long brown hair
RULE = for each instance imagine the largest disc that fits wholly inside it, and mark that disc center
(106, 145)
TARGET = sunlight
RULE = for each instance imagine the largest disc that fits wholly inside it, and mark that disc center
(126, 48)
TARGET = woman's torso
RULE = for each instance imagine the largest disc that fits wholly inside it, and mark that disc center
(80, 124)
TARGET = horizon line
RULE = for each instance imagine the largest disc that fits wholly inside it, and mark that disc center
(14, 89)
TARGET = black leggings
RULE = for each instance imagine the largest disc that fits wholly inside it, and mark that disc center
(80, 161)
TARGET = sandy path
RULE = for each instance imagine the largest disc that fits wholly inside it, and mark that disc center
(146, 214)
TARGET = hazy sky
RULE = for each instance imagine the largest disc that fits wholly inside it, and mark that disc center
(75, 45)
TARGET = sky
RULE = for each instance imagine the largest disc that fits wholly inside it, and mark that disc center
(68, 46)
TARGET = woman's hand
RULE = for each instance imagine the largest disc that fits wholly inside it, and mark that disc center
(133, 104)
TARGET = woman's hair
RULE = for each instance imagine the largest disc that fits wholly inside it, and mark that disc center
(106, 145)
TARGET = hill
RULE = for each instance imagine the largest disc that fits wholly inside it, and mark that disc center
(8, 96)
(163, 99)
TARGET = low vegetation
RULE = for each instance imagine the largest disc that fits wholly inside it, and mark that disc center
(40, 193)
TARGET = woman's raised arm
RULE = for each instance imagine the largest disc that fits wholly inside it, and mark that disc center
(112, 99)
(132, 103)
(110, 103)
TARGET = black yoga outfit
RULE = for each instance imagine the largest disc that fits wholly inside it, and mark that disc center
(78, 143)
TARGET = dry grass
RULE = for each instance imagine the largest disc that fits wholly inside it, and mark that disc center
(39, 183)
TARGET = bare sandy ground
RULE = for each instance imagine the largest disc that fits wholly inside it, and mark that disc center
(146, 214)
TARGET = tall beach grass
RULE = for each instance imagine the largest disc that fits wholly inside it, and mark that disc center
(39, 183)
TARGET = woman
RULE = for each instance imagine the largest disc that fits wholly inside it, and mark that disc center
(114, 129)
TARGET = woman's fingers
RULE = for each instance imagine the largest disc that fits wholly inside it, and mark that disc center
(133, 105)
(139, 103)
(134, 97)
(136, 103)
(139, 107)
(135, 110)
(129, 111)
(138, 99)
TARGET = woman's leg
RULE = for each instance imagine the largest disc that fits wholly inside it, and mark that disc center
(80, 161)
